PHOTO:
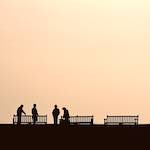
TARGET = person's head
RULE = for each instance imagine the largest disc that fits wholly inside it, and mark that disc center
(55, 106)
(34, 105)
(21, 106)
(63, 108)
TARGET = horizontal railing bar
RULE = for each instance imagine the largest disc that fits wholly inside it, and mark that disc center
(81, 117)
(123, 116)
(120, 122)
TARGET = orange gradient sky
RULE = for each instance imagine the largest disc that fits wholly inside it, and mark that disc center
(92, 56)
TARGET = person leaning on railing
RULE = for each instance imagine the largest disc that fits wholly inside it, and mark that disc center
(19, 113)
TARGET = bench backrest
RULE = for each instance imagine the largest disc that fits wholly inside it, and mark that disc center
(27, 119)
(121, 120)
(81, 120)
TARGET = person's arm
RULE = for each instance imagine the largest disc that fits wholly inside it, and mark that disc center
(63, 115)
(37, 113)
(23, 112)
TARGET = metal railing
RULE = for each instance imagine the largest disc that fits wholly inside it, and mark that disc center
(121, 120)
(27, 119)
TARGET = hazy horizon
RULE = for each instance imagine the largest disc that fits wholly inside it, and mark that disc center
(91, 56)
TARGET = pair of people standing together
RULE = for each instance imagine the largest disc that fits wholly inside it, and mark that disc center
(56, 113)
(34, 114)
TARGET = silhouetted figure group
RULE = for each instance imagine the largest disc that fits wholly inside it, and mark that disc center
(34, 114)
(64, 119)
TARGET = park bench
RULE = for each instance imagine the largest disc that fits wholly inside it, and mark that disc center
(27, 119)
(79, 120)
(121, 120)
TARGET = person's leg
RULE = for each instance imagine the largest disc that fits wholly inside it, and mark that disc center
(19, 120)
(55, 121)
(34, 120)
(67, 121)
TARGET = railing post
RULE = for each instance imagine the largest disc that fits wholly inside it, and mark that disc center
(46, 119)
(13, 119)
(92, 121)
(104, 121)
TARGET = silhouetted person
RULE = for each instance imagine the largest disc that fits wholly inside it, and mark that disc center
(34, 114)
(66, 115)
(55, 113)
(19, 113)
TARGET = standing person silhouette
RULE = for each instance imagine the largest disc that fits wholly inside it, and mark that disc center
(66, 115)
(19, 113)
(34, 114)
(55, 113)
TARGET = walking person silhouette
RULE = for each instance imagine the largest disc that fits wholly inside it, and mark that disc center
(34, 114)
(19, 113)
(66, 116)
(55, 113)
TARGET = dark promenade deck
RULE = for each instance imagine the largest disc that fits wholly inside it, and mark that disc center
(74, 137)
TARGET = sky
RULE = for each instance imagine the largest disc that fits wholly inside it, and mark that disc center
(91, 56)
